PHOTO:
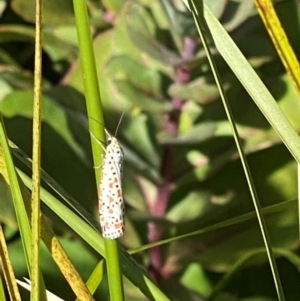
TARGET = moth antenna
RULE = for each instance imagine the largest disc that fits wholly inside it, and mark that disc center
(107, 133)
(119, 123)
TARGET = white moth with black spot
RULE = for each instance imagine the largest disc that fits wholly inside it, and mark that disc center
(111, 204)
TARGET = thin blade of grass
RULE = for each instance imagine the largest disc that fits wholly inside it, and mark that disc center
(9, 173)
(280, 40)
(51, 241)
(198, 14)
(284, 50)
(25, 159)
(227, 223)
(130, 268)
(64, 263)
(253, 84)
(7, 270)
(242, 262)
(36, 293)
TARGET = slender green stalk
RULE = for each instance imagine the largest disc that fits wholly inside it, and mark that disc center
(36, 159)
(113, 261)
(96, 122)
(12, 179)
(90, 80)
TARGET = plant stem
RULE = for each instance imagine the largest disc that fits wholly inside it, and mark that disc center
(159, 206)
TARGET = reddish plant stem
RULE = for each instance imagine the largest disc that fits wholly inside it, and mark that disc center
(159, 206)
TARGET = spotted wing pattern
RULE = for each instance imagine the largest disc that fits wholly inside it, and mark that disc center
(111, 204)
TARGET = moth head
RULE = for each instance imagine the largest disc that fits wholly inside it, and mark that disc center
(109, 137)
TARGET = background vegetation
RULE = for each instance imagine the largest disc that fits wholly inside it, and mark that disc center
(182, 172)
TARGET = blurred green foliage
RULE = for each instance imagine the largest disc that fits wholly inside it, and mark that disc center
(181, 172)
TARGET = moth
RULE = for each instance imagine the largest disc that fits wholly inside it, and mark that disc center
(111, 203)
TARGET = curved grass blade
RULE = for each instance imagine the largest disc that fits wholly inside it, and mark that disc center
(64, 263)
(198, 14)
(7, 270)
(283, 47)
(227, 223)
(9, 173)
(130, 268)
(24, 158)
(253, 84)
(53, 244)
(242, 262)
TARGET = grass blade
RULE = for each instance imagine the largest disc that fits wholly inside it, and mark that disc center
(197, 11)
(280, 40)
(36, 158)
(253, 84)
(9, 173)
(130, 268)
(51, 241)
(8, 271)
